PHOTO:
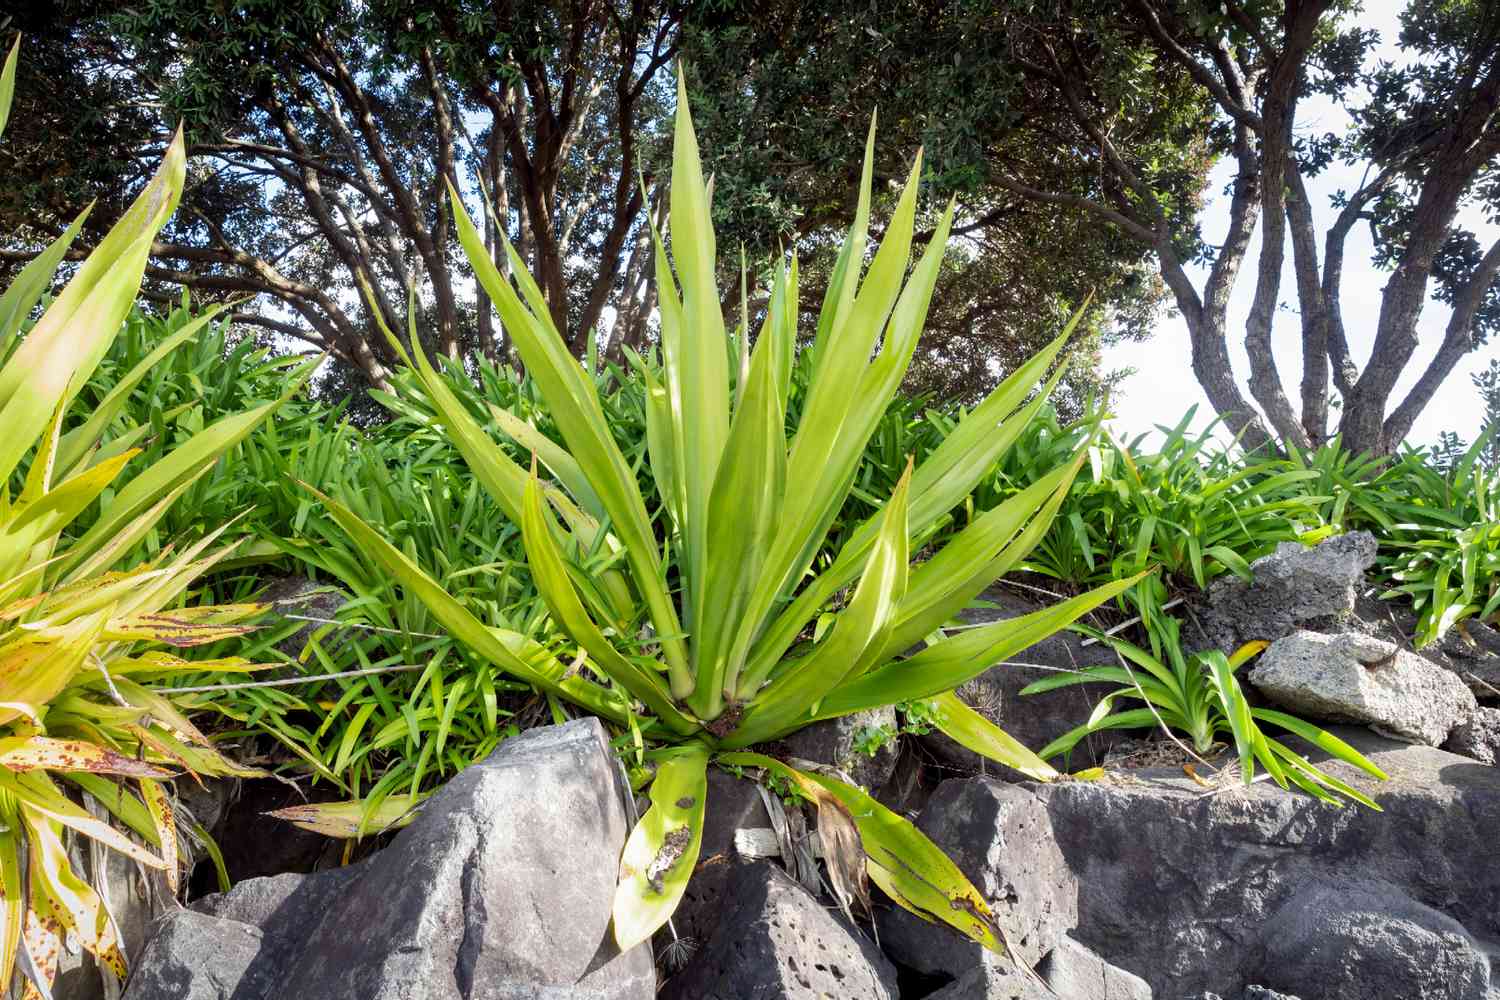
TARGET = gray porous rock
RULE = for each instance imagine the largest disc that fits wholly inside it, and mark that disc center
(1470, 650)
(1291, 586)
(776, 941)
(1479, 737)
(1350, 677)
(500, 889)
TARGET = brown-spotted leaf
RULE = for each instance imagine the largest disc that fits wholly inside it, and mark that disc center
(163, 816)
(32, 752)
(176, 628)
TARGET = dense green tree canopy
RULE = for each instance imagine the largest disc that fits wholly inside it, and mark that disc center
(784, 93)
(1075, 135)
(323, 132)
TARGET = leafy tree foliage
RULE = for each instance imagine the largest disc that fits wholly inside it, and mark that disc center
(784, 92)
(325, 133)
(1426, 133)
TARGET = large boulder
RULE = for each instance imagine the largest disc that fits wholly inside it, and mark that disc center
(1352, 677)
(1180, 885)
(1035, 720)
(1291, 586)
(501, 888)
(1370, 941)
(1000, 836)
(778, 941)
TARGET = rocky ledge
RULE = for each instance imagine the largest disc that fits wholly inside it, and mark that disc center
(1147, 883)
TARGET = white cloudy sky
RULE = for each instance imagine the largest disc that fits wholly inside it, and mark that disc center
(1163, 386)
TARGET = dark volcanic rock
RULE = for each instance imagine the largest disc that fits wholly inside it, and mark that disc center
(196, 957)
(1195, 892)
(777, 941)
(1370, 942)
(731, 804)
(1177, 886)
(1001, 836)
(297, 595)
(501, 888)
(837, 743)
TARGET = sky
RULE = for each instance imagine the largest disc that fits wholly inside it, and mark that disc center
(1163, 387)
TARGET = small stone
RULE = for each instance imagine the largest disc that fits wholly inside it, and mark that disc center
(193, 956)
(864, 745)
(997, 981)
(1479, 737)
(1352, 677)
(299, 596)
(1073, 970)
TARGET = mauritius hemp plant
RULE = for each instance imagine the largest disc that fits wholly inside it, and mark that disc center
(702, 616)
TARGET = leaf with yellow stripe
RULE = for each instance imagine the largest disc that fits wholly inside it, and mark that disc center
(36, 793)
(973, 731)
(75, 905)
(12, 901)
(347, 820)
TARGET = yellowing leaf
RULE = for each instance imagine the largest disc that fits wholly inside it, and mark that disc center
(344, 820)
(163, 816)
(33, 752)
(662, 850)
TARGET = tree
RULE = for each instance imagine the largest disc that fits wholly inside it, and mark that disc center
(783, 94)
(325, 132)
(1427, 134)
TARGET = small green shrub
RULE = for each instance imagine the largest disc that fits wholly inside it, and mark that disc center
(1200, 697)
